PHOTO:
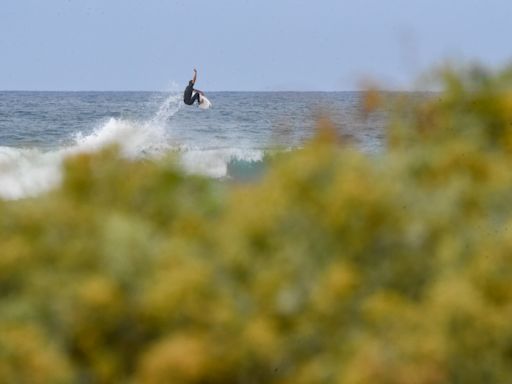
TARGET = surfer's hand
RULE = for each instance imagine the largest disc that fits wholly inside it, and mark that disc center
(195, 70)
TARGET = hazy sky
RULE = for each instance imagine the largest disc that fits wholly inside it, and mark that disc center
(243, 44)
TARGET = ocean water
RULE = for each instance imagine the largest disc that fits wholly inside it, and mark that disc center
(38, 130)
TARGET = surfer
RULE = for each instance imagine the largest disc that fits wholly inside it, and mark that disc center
(189, 91)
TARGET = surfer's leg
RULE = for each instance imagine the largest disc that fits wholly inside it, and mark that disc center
(196, 97)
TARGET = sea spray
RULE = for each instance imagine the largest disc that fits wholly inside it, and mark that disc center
(135, 138)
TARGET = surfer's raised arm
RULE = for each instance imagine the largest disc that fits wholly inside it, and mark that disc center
(195, 76)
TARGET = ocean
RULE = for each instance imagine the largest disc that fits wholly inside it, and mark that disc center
(38, 130)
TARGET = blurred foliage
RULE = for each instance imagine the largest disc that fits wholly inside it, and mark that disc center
(334, 267)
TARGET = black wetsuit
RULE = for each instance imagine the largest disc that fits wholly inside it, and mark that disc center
(187, 95)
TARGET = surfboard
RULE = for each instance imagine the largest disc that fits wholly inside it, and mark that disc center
(205, 103)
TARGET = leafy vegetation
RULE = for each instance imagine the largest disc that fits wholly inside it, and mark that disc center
(335, 267)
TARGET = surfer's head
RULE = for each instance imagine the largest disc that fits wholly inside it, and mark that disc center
(190, 82)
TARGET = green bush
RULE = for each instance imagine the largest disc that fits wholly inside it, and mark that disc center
(335, 267)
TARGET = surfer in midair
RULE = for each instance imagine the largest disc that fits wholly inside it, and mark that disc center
(187, 95)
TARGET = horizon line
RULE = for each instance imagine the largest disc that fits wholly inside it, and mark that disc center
(213, 91)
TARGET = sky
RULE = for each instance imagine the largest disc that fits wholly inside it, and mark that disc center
(244, 45)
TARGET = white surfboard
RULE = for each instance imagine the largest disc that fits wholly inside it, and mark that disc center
(205, 103)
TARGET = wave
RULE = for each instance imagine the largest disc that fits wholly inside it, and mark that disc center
(30, 172)
(134, 138)
(216, 162)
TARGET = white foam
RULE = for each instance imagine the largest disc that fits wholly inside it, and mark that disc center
(214, 162)
(27, 172)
